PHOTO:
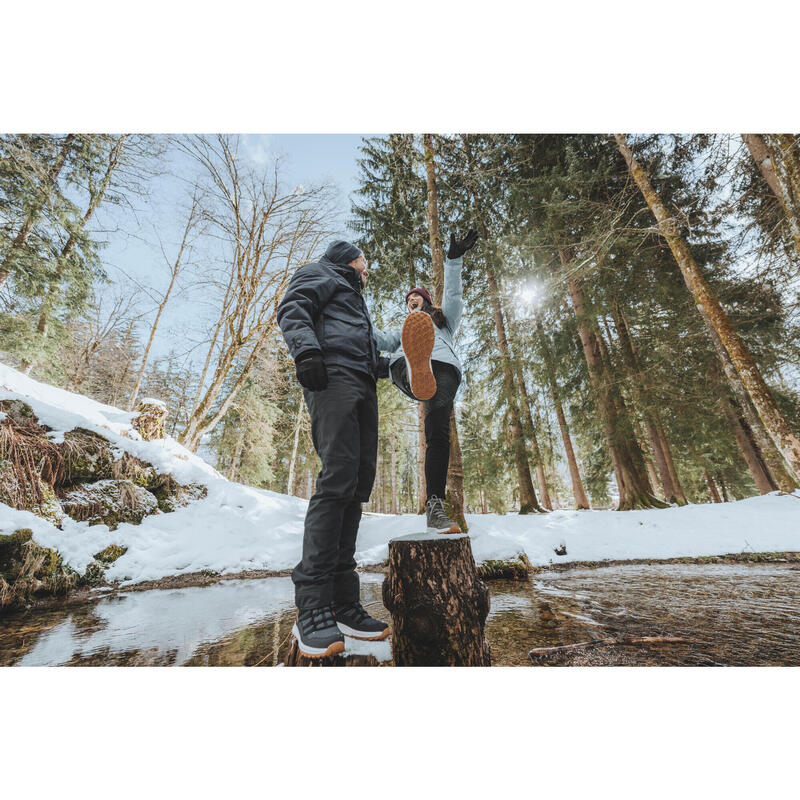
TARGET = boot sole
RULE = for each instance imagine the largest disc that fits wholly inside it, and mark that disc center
(454, 528)
(364, 636)
(333, 649)
(417, 338)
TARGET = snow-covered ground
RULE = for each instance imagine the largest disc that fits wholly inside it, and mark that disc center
(239, 528)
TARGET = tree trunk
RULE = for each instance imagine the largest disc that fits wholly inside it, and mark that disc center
(237, 453)
(293, 459)
(294, 658)
(772, 458)
(632, 484)
(712, 487)
(763, 158)
(774, 421)
(455, 478)
(530, 430)
(437, 602)
(578, 492)
(761, 476)
(36, 208)
(787, 176)
(673, 492)
(393, 471)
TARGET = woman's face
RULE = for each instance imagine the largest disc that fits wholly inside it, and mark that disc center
(414, 301)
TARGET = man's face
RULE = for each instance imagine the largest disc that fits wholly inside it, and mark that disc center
(414, 301)
(360, 265)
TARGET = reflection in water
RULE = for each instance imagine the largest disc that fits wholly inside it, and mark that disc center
(742, 614)
(732, 614)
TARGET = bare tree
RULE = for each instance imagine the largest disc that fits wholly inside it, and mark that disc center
(265, 233)
(175, 268)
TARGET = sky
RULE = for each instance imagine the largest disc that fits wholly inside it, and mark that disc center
(136, 232)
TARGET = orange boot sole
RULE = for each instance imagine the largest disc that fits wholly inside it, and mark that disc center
(418, 337)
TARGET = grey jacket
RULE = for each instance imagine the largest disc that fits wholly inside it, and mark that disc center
(452, 308)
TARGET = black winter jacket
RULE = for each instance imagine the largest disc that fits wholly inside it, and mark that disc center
(323, 309)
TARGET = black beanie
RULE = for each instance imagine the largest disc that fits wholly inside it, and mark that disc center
(342, 252)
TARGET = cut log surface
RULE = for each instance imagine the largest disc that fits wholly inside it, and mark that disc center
(357, 653)
(437, 602)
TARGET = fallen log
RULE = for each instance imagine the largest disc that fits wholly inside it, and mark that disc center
(437, 602)
(541, 652)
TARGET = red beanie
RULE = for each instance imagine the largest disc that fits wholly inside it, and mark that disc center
(424, 292)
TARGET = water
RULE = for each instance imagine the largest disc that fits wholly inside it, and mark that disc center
(736, 614)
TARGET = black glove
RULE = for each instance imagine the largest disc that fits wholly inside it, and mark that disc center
(460, 246)
(311, 372)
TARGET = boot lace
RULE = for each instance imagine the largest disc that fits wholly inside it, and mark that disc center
(316, 619)
(356, 610)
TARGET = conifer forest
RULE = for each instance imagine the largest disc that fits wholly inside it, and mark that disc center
(630, 332)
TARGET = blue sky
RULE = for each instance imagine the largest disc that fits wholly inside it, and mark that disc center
(133, 257)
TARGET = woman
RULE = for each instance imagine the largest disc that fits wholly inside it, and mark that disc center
(425, 366)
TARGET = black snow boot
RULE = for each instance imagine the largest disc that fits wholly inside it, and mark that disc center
(354, 621)
(317, 634)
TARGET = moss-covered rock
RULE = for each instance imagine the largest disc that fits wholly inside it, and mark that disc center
(108, 502)
(134, 469)
(27, 569)
(111, 553)
(514, 569)
(28, 492)
(150, 420)
(18, 411)
(171, 495)
(88, 456)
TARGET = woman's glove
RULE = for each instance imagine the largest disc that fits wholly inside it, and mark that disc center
(460, 246)
(311, 371)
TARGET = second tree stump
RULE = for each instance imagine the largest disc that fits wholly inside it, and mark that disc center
(437, 602)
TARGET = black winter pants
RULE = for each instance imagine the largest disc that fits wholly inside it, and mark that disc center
(344, 428)
(437, 422)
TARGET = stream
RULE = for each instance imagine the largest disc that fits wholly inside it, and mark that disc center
(728, 614)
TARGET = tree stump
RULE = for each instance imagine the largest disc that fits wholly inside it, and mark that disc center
(437, 602)
(150, 419)
(358, 657)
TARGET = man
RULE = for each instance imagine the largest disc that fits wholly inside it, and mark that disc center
(326, 325)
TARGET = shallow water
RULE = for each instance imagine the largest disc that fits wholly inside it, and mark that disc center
(737, 614)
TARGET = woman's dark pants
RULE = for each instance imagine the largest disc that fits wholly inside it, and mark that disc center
(437, 421)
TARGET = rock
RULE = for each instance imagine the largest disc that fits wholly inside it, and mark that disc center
(150, 419)
(111, 553)
(19, 412)
(134, 469)
(171, 494)
(88, 456)
(33, 495)
(108, 502)
(515, 569)
(28, 569)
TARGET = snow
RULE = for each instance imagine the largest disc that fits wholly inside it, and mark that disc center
(238, 528)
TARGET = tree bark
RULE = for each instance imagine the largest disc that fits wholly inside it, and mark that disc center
(774, 421)
(787, 176)
(763, 158)
(712, 487)
(437, 602)
(631, 482)
(294, 658)
(772, 458)
(36, 208)
(529, 429)
(673, 492)
(578, 492)
(761, 476)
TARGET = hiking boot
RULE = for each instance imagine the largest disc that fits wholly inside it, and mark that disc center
(317, 634)
(418, 337)
(438, 521)
(354, 621)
